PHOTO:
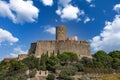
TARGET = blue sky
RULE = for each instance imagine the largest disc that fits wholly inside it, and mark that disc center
(25, 21)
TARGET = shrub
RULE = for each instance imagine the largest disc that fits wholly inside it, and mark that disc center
(51, 77)
(32, 73)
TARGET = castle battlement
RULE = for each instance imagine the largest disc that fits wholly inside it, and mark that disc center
(81, 41)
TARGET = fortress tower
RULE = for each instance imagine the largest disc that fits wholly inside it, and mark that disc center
(60, 33)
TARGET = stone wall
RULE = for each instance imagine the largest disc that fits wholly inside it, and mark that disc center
(32, 48)
(10, 59)
(21, 56)
(43, 47)
(81, 48)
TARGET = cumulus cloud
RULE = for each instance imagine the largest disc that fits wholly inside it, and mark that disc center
(5, 11)
(17, 51)
(109, 38)
(50, 29)
(117, 8)
(69, 12)
(87, 19)
(7, 36)
(47, 2)
(19, 11)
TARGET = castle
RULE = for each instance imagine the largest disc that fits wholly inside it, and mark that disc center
(60, 45)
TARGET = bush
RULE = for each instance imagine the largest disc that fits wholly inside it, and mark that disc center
(32, 73)
(51, 77)
(67, 57)
(83, 78)
(69, 78)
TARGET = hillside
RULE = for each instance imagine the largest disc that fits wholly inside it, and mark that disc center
(64, 66)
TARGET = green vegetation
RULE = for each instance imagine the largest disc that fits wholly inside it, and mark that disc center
(67, 63)
(32, 73)
(67, 72)
(31, 62)
(50, 77)
(104, 58)
(14, 70)
(67, 57)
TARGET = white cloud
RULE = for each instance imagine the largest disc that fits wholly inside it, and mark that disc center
(47, 2)
(87, 19)
(13, 55)
(59, 11)
(109, 38)
(49, 29)
(7, 36)
(64, 2)
(19, 11)
(89, 1)
(69, 12)
(5, 11)
(117, 8)
(91, 4)
(17, 51)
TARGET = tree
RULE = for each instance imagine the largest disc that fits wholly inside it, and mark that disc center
(51, 63)
(16, 71)
(104, 58)
(116, 63)
(98, 65)
(42, 63)
(65, 76)
(17, 65)
(50, 77)
(115, 54)
(66, 57)
(31, 62)
(87, 62)
(79, 66)
(68, 71)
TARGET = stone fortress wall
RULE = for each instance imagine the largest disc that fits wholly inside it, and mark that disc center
(60, 45)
